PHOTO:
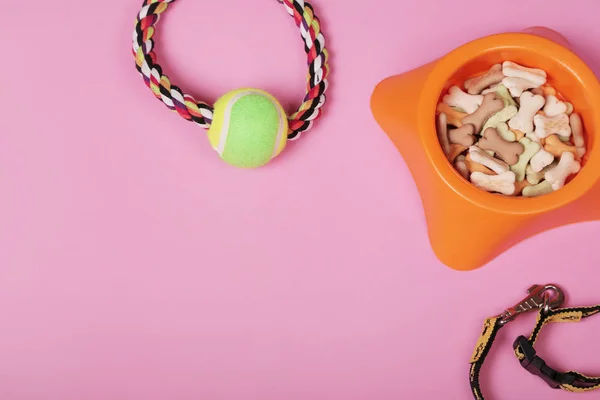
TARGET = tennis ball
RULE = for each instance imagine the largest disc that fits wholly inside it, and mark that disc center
(249, 128)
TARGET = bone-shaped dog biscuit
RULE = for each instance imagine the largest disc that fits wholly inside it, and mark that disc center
(481, 157)
(533, 177)
(455, 151)
(442, 131)
(563, 139)
(533, 137)
(557, 147)
(505, 132)
(476, 167)
(502, 92)
(517, 86)
(565, 168)
(530, 105)
(457, 98)
(519, 186)
(541, 160)
(570, 108)
(577, 130)
(462, 135)
(490, 106)
(507, 151)
(518, 134)
(538, 190)
(492, 77)
(554, 106)
(453, 117)
(461, 166)
(548, 90)
(505, 95)
(546, 126)
(536, 177)
(503, 183)
(491, 89)
(501, 116)
(534, 75)
(531, 148)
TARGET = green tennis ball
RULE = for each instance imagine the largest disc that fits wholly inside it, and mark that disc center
(249, 128)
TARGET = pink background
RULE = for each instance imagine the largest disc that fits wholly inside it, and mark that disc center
(136, 265)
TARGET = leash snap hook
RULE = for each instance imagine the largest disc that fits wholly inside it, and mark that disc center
(546, 297)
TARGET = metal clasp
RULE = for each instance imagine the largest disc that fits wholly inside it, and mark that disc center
(547, 297)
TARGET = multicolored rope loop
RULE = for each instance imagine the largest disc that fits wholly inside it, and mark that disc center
(201, 113)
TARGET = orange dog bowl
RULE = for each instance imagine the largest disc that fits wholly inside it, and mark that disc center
(467, 226)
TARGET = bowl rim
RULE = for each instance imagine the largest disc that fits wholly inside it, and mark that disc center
(447, 66)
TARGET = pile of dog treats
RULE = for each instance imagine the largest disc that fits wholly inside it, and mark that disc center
(508, 132)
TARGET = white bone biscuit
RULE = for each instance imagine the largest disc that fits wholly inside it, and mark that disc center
(554, 106)
(533, 137)
(534, 75)
(541, 160)
(503, 183)
(566, 167)
(530, 105)
(517, 86)
(457, 98)
(483, 158)
(546, 126)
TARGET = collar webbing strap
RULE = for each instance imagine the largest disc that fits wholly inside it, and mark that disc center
(570, 381)
(491, 326)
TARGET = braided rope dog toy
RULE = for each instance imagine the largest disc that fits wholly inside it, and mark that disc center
(247, 127)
